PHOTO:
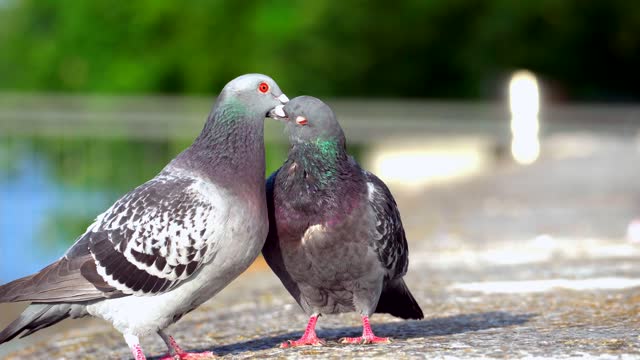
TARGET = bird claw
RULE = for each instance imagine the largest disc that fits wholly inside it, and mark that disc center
(365, 340)
(303, 342)
(377, 340)
(190, 356)
(195, 356)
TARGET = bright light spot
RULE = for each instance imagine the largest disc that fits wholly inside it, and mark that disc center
(524, 94)
(414, 165)
(524, 99)
(537, 286)
(417, 167)
(633, 231)
(544, 241)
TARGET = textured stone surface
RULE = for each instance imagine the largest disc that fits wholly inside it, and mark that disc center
(249, 322)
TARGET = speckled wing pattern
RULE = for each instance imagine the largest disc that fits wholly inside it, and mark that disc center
(391, 242)
(158, 235)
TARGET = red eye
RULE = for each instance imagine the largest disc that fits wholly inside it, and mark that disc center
(263, 87)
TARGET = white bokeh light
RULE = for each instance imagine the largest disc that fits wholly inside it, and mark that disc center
(415, 163)
(524, 101)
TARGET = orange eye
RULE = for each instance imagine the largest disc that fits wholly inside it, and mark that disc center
(263, 87)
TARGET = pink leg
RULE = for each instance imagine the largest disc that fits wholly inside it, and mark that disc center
(308, 338)
(174, 348)
(138, 354)
(134, 345)
(368, 337)
(174, 345)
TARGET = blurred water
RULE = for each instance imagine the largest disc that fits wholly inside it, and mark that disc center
(29, 198)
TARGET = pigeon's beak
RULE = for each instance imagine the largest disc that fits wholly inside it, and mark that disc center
(283, 99)
(278, 111)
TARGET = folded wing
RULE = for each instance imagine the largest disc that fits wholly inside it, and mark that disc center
(390, 243)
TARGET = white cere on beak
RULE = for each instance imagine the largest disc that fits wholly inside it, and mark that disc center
(283, 98)
(279, 110)
(301, 120)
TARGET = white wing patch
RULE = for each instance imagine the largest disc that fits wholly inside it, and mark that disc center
(311, 231)
(372, 192)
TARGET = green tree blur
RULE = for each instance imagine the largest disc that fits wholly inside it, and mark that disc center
(585, 49)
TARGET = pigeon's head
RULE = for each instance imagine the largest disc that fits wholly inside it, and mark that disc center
(309, 119)
(258, 93)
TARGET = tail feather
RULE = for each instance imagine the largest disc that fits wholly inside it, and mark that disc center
(397, 300)
(7, 290)
(34, 318)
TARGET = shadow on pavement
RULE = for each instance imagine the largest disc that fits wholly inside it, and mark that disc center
(397, 330)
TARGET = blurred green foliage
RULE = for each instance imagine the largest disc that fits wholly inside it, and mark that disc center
(585, 49)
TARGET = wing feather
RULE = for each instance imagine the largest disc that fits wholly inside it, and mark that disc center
(391, 242)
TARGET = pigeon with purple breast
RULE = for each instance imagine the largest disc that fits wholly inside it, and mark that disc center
(172, 243)
(335, 239)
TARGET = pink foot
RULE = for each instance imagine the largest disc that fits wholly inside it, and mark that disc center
(365, 340)
(308, 338)
(367, 337)
(181, 354)
(190, 356)
(313, 341)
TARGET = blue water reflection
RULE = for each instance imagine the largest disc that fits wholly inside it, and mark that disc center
(29, 199)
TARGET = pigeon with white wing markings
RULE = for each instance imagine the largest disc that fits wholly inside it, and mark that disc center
(172, 243)
(335, 239)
